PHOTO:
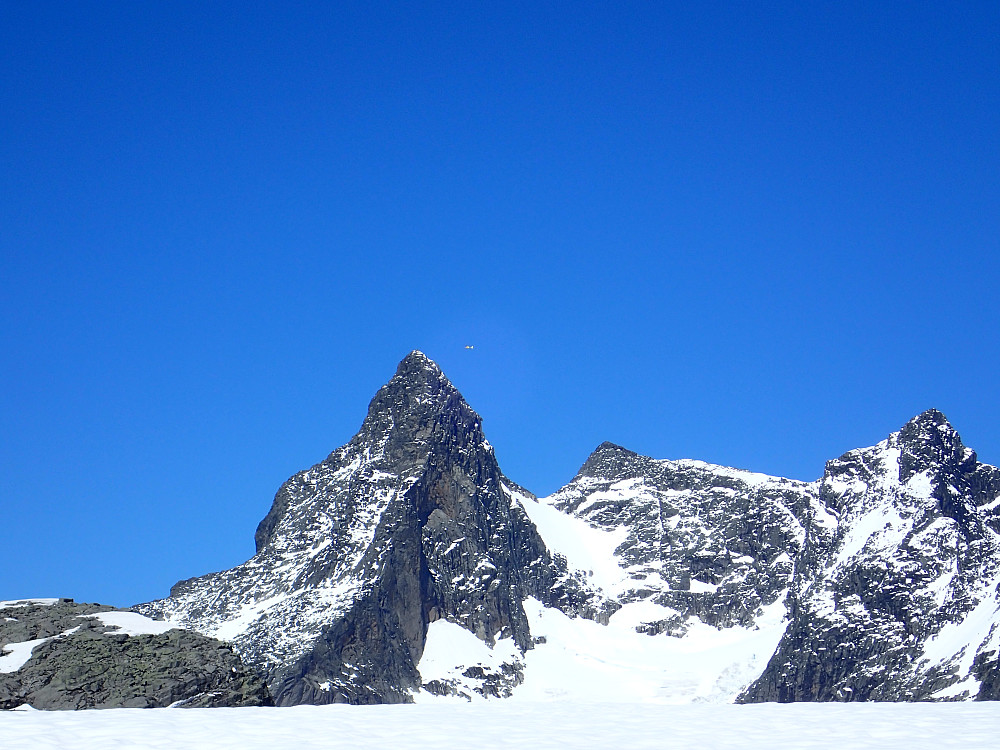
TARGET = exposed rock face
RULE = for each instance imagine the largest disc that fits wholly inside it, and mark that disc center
(409, 522)
(64, 657)
(905, 605)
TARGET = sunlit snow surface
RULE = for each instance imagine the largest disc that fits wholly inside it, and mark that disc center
(582, 660)
(496, 725)
(131, 623)
(579, 659)
(450, 649)
(16, 655)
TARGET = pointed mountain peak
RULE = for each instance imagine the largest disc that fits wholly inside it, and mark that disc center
(404, 412)
(929, 426)
(417, 379)
(412, 415)
(415, 362)
(608, 447)
(928, 440)
(929, 418)
(418, 374)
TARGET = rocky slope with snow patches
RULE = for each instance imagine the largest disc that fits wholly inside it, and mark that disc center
(702, 541)
(877, 582)
(57, 654)
(406, 566)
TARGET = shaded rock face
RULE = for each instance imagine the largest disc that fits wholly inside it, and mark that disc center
(78, 662)
(904, 604)
(409, 522)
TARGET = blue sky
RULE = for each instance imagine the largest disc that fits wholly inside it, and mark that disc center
(758, 234)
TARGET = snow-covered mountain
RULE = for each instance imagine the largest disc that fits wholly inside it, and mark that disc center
(406, 566)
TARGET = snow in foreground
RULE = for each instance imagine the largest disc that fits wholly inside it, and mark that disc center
(489, 726)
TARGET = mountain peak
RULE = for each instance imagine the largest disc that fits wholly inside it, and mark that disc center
(416, 361)
(413, 397)
(929, 440)
(929, 418)
(409, 523)
(370, 563)
(608, 459)
(608, 447)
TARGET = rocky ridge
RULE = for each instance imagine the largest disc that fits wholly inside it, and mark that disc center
(704, 541)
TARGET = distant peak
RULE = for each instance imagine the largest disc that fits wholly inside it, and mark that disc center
(414, 395)
(929, 440)
(929, 425)
(607, 460)
(930, 416)
(417, 366)
(609, 447)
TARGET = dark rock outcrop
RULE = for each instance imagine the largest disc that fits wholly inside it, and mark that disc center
(76, 661)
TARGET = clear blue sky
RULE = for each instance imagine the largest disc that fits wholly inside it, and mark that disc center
(758, 234)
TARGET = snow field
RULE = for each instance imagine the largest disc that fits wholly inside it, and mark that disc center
(506, 725)
(584, 661)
